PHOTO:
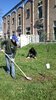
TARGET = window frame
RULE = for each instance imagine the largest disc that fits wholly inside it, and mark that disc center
(54, 27)
(40, 15)
(27, 13)
(19, 21)
(28, 30)
(13, 21)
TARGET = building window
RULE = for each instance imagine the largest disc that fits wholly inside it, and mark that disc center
(28, 30)
(54, 30)
(40, 13)
(19, 20)
(4, 25)
(54, 2)
(19, 29)
(27, 13)
(12, 21)
(8, 24)
(55, 33)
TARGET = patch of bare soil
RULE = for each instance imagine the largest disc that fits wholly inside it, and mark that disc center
(42, 77)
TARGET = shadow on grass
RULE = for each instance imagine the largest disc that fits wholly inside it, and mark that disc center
(4, 67)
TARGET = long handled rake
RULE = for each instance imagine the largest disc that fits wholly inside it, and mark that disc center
(28, 78)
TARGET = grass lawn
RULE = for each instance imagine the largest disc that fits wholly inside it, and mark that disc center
(43, 83)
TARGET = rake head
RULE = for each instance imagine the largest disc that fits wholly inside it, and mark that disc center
(29, 78)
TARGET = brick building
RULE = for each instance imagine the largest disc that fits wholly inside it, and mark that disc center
(37, 17)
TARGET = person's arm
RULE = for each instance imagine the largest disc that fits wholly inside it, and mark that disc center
(3, 43)
(14, 51)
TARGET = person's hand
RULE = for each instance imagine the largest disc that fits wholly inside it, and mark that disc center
(1, 50)
(12, 59)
